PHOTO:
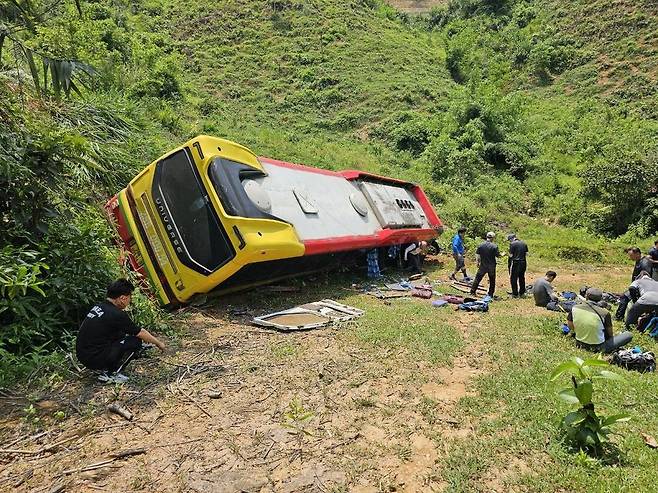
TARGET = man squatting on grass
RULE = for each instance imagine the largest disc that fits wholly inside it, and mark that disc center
(644, 293)
(415, 254)
(592, 325)
(642, 263)
(108, 339)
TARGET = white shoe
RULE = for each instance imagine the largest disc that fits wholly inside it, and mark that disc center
(112, 378)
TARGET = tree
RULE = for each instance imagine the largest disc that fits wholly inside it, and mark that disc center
(19, 19)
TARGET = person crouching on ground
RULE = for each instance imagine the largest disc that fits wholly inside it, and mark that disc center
(644, 293)
(542, 290)
(458, 254)
(415, 254)
(592, 325)
(108, 339)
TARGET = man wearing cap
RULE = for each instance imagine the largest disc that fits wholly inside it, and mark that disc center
(516, 264)
(592, 325)
(486, 255)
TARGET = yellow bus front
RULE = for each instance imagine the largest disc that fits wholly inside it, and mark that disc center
(192, 223)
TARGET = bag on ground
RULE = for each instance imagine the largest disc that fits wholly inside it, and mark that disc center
(642, 362)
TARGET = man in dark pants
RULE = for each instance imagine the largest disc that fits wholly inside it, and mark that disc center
(647, 303)
(486, 255)
(108, 339)
(516, 265)
(642, 263)
(458, 254)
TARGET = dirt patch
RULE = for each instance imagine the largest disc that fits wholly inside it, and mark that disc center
(417, 6)
(289, 412)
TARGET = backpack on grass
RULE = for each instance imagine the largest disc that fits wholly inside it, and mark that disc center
(642, 362)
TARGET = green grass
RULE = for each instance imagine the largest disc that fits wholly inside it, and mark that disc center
(416, 327)
(517, 412)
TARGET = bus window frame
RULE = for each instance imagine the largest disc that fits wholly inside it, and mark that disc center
(166, 217)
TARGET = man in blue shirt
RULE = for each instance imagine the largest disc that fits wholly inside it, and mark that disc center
(458, 254)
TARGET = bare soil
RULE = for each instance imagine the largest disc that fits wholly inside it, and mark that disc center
(238, 408)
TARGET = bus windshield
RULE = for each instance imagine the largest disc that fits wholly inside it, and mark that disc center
(195, 232)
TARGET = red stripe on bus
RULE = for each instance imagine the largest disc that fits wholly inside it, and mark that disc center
(385, 237)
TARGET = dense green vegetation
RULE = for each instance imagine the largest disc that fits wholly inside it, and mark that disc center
(498, 107)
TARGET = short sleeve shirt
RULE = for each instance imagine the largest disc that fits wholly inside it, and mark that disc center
(488, 251)
(589, 322)
(104, 325)
(518, 250)
(457, 245)
(644, 264)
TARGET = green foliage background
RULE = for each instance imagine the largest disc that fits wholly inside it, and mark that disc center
(526, 115)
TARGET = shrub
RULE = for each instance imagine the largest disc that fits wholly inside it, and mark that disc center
(586, 429)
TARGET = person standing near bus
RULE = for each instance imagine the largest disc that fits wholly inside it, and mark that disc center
(486, 256)
(458, 250)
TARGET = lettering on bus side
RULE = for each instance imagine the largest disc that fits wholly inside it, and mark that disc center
(171, 231)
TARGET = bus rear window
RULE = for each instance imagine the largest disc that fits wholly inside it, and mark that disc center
(193, 227)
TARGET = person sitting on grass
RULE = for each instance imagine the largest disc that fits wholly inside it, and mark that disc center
(542, 290)
(591, 325)
(108, 339)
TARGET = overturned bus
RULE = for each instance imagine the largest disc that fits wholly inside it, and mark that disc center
(211, 216)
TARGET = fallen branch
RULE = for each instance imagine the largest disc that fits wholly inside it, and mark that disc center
(113, 457)
(23, 438)
(121, 411)
(194, 401)
(47, 448)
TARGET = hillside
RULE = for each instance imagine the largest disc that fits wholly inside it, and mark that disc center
(618, 44)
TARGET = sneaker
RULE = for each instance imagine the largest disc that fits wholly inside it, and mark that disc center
(468, 278)
(112, 377)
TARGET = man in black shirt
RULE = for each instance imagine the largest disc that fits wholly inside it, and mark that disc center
(108, 338)
(653, 256)
(486, 255)
(516, 264)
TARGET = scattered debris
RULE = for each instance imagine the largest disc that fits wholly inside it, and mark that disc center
(215, 394)
(649, 440)
(309, 316)
(121, 411)
(281, 289)
(47, 448)
(465, 287)
(113, 457)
